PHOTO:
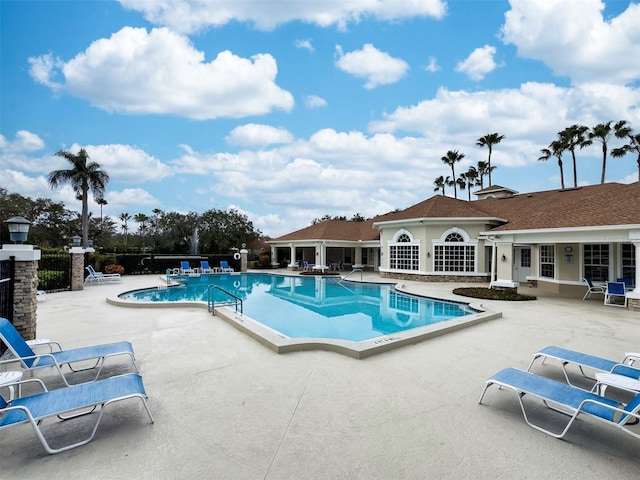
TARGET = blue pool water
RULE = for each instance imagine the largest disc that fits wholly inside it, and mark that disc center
(315, 307)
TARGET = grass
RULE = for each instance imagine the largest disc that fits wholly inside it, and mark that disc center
(493, 294)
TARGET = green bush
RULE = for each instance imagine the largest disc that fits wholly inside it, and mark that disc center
(49, 279)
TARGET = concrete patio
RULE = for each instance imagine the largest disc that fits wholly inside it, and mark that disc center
(227, 407)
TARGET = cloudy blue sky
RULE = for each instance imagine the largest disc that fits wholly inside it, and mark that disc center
(289, 110)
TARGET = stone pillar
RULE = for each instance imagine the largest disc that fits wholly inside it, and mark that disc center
(77, 268)
(25, 289)
(243, 258)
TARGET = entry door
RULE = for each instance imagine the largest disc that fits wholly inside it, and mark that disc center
(521, 264)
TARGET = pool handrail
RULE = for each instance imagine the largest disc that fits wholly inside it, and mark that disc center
(211, 304)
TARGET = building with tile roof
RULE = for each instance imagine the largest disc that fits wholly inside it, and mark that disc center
(550, 239)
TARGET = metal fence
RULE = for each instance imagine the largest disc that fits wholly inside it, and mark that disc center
(7, 274)
(54, 272)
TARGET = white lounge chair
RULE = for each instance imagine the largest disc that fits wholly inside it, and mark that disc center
(66, 402)
(583, 360)
(24, 354)
(224, 266)
(205, 268)
(591, 288)
(99, 277)
(567, 400)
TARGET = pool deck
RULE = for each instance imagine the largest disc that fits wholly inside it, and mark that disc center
(227, 407)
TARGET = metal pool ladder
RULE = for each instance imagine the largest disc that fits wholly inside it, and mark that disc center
(233, 300)
(351, 273)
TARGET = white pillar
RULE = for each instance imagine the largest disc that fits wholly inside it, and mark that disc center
(636, 290)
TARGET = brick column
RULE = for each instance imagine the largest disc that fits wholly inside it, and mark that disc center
(25, 289)
(77, 268)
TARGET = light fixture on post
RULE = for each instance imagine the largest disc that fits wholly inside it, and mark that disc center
(76, 241)
(504, 257)
(18, 229)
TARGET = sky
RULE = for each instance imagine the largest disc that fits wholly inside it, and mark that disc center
(290, 110)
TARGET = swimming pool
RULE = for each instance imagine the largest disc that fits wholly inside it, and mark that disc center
(314, 310)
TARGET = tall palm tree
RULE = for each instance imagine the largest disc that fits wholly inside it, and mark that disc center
(489, 140)
(142, 220)
(461, 183)
(439, 184)
(483, 169)
(84, 176)
(575, 136)
(471, 177)
(556, 149)
(603, 133)
(125, 217)
(451, 158)
(632, 146)
(102, 202)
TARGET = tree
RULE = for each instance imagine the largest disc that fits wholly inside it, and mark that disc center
(451, 158)
(439, 184)
(603, 133)
(556, 149)
(489, 140)
(632, 146)
(124, 218)
(471, 177)
(102, 202)
(85, 176)
(142, 220)
(461, 183)
(483, 169)
(575, 136)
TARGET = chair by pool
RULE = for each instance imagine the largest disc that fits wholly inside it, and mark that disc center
(615, 292)
(99, 277)
(224, 266)
(591, 288)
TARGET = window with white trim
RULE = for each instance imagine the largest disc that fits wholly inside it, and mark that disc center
(404, 253)
(455, 254)
(628, 260)
(596, 261)
(547, 261)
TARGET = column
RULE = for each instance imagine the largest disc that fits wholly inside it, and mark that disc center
(243, 258)
(25, 289)
(633, 297)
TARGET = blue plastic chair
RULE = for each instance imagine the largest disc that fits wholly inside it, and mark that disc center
(615, 291)
(224, 266)
(65, 403)
(31, 360)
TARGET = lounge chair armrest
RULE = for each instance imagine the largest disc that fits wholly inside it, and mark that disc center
(631, 357)
(50, 344)
(27, 381)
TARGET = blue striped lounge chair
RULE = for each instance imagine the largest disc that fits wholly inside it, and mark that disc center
(68, 403)
(205, 268)
(30, 360)
(583, 360)
(224, 266)
(567, 400)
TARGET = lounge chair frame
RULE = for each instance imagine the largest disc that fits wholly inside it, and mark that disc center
(614, 291)
(591, 288)
(30, 360)
(583, 360)
(99, 277)
(567, 400)
(71, 402)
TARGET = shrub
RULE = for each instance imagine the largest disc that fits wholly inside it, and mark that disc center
(114, 268)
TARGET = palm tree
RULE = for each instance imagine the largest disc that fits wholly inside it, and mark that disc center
(489, 140)
(632, 146)
(142, 220)
(125, 217)
(471, 177)
(483, 169)
(575, 136)
(603, 133)
(102, 202)
(556, 149)
(84, 176)
(439, 183)
(461, 183)
(451, 158)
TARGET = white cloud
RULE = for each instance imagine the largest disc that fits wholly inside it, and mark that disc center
(160, 72)
(314, 101)
(479, 63)
(25, 141)
(575, 40)
(252, 134)
(193, 15)
(433, 65)
(125, 199)
(378, 68)
(126, 164)
(305, 44)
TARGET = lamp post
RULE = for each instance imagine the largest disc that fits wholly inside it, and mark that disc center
(18, 229)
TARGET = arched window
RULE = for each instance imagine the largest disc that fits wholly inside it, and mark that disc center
(455, 252)
(404, 252)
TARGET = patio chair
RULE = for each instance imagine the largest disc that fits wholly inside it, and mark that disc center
(567, 400)
(205, 268)
(185, 268)
(224, 266)
(592, 289)
(99, 277)
(70, 402)
(582, 360)
(30, 360)
(628, 283)
(615, 291)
